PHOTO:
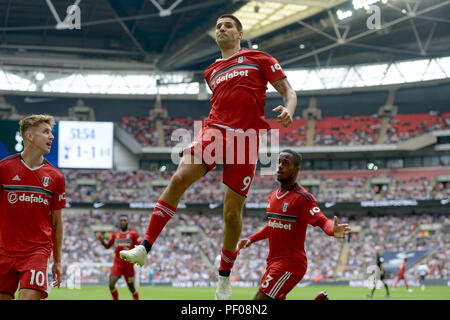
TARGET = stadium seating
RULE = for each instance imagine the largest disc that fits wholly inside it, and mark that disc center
(331, 130)
(119, 186)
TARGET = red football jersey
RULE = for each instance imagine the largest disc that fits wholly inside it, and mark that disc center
(401, 270)
(27, 198)
(123, 241)
(238, 86)
(289, 214)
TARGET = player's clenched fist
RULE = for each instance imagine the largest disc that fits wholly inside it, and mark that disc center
(99, 236)
(285, 117)
(244, 243)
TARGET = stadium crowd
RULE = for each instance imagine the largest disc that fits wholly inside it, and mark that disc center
(190, 255)
(145, 185)
(333, 131)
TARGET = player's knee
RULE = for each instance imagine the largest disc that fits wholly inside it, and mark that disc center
(180, 181)
(232, 217)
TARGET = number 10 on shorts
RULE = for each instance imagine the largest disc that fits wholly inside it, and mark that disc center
(38, 277)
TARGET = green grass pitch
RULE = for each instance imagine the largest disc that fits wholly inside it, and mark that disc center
(207, 293)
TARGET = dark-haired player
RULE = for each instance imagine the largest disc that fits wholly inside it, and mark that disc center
(289, 211)
(122, 239)
(32, 196)
(238, 81)
(380, 265)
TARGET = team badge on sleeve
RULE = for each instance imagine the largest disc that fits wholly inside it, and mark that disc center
(45, 181)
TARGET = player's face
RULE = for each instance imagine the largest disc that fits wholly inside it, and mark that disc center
(226, 32)
(286, 168)
(123, 224)
(41, 137)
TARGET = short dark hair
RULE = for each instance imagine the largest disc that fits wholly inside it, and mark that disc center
(237, 22)
(122, 216)
(295, 155)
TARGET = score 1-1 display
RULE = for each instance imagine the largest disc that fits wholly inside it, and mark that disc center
(85, 144)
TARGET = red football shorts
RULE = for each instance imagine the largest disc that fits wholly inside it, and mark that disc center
(236, 150)
(123, 268)
(30, 271)
(277, 283)
(401, 276)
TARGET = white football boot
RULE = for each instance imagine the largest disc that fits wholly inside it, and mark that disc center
(137, 255)
(223, 291)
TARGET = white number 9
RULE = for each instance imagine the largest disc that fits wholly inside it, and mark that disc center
(246, 182)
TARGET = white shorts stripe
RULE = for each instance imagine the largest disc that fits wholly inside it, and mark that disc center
(277, 286)
(164, 209)
(226, 259)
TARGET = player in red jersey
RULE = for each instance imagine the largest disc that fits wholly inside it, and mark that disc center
(238, 81)
(32, 196)
(401, 276)
(122, 239)
(289, 210)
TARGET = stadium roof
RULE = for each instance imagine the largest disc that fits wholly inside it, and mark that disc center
(174, 35)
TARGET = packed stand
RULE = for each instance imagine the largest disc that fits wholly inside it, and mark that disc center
(347, 130)
(142, 129)
(343, 130)
(142, 185)
(184, 256)
(398, 234)
(403, 127)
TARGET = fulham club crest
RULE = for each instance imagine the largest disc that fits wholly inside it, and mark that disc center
(45, 181)
(285, 206)
(240, 59)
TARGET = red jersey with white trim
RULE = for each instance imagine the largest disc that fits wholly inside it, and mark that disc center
(27, 199)
(289, 214)
(401, 270)
(123, 240)
(238, 86)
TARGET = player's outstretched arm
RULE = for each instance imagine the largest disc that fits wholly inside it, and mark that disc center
(244, 243)
(289, 96)
(102, 240)
(257, 236)
(340, 230)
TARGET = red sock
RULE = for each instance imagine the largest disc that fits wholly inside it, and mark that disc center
(115, 294)
(162, 213)
(227, 259)
(135, 295)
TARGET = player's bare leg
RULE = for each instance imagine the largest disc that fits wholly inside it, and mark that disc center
(232, 216)
(188, 172)
(29, 294)
(112, 287)
(5, 296)
(132, 288)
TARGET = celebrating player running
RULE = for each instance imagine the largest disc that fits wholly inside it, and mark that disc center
(289, 211)
(238, 82)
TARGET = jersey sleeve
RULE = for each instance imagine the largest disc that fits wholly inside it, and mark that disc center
(262, 234)
(271, 68)
(59, 202)
(136, 238)
(316, 218)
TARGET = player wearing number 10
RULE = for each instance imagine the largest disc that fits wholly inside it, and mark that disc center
(238, 82)
(32, 196)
